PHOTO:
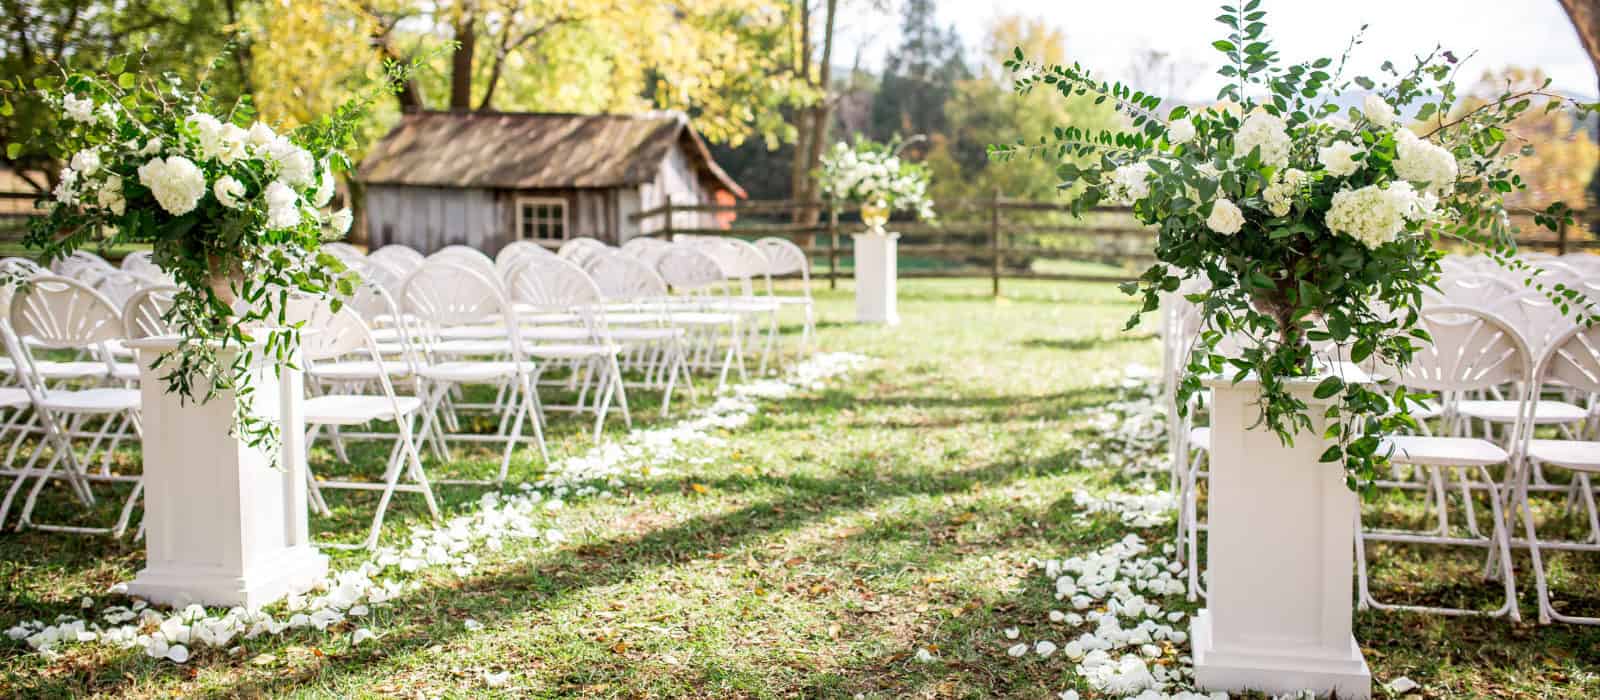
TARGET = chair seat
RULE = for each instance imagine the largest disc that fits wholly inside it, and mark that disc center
(1572, 454)
(1443, 451)
(570, 351)
(791, 300)
(484, 332)
(474, 371)
(1546, 413)
(349, 409)
(359, 369)
(78, 369)
(538, 333)
(12, 397)
(107, 400)
(474, 347)
(1200, 439)
(704, 318)
(644, 334)
(125, 371)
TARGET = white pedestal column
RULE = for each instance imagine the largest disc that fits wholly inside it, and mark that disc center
(876, 259)
(224, 526)
(1279, 559)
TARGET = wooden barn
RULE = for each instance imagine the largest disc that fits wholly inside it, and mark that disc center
(486, 179)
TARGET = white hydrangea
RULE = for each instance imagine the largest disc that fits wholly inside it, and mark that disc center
(1130, 183)
(208, 131)
(1180, 131)
(176, 183)
(1279, 195)
(78, 109)
(283, 206)
(229, 191)
(1225, 218)
(86, 161)
(110, 195)
(1374, 215)
(340, 221)
(1378, 111)
(1338, 158)
(1428, 165)
(1266, 131)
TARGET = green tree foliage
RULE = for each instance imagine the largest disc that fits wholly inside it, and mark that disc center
(919, 77)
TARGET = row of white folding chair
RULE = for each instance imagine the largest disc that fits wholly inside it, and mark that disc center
(53, 313)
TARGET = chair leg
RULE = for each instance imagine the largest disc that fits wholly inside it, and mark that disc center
(1530, 531)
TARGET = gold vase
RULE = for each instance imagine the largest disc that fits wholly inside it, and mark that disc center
(875, 215)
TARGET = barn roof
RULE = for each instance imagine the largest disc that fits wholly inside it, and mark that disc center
(506, 150)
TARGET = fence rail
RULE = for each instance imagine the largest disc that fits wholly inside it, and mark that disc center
(995, 237)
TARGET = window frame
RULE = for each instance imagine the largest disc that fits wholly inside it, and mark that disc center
(524, 201)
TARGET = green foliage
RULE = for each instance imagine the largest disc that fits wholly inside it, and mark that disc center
(1305, 232)
(234, 215)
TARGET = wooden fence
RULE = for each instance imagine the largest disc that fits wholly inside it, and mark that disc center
(995, 237)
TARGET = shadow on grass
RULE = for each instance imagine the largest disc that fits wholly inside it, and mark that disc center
(1086, 342)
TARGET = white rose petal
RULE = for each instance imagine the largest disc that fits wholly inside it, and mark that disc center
(1017, 650)
(229, 192)
(495, 680)
(340, 223)
(925, 656)
(1180, 132)
(78, 109)
(361, 635)
(1044, 648)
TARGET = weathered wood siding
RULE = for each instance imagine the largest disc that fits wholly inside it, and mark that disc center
(430, 218)
(677, 179)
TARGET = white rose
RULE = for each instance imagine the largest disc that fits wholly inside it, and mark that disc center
(1378, 112)
(66, 190)
(151, 148)
(1225, 218)
(78, 109)
(325, 187)
(1336, 124)
(340, 221)
(1179, 132)
(1130, 183)
(176, 183)
(108, 114)
(1338, 158)
(229, 192)
(235, 141)
(261, 135)
(1267, 132)
(283, 206)
(209, 132)
(110, 195)
(86, 161)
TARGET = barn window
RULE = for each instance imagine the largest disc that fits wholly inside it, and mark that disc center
(541, 219)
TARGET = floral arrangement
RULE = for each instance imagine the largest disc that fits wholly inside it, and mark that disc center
(233, 210)
(872, 174)
(1312, 224)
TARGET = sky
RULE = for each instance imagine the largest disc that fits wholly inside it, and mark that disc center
(1105, 34)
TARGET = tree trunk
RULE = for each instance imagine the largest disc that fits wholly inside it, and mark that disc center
(1585, 16)
(799, 178)
(812, 122)
(461, 61)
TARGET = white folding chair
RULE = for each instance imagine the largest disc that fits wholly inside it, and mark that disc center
(336, 337)
(649, 323)
(52, 314)
(1471, 350)
(442, 295)
(784, 257)
(402, 258)
(552, 285)
(699, 279)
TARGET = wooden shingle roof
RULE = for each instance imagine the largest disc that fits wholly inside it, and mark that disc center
(505, 150)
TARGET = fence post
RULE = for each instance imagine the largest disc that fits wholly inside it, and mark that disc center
(994, 241)
(1561, 237)
(833, 245)
(666, 210)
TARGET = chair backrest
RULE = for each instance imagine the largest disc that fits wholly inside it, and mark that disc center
(57, 312)
(688, 268)
(514, 253)
(1471, 350)
(1477, 290)
(445, 293)
(403, 258)
(640, 244)
(784, 257)
(1574, 358)
(1533, 315)
(471, 258)
(144, 314)
(77, 260)
(581, 250)
(553, 284)
(625, 278)
(119, 285)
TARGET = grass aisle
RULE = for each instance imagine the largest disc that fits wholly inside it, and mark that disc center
(875, 538)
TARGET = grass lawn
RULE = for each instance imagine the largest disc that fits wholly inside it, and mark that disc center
(812, 553)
